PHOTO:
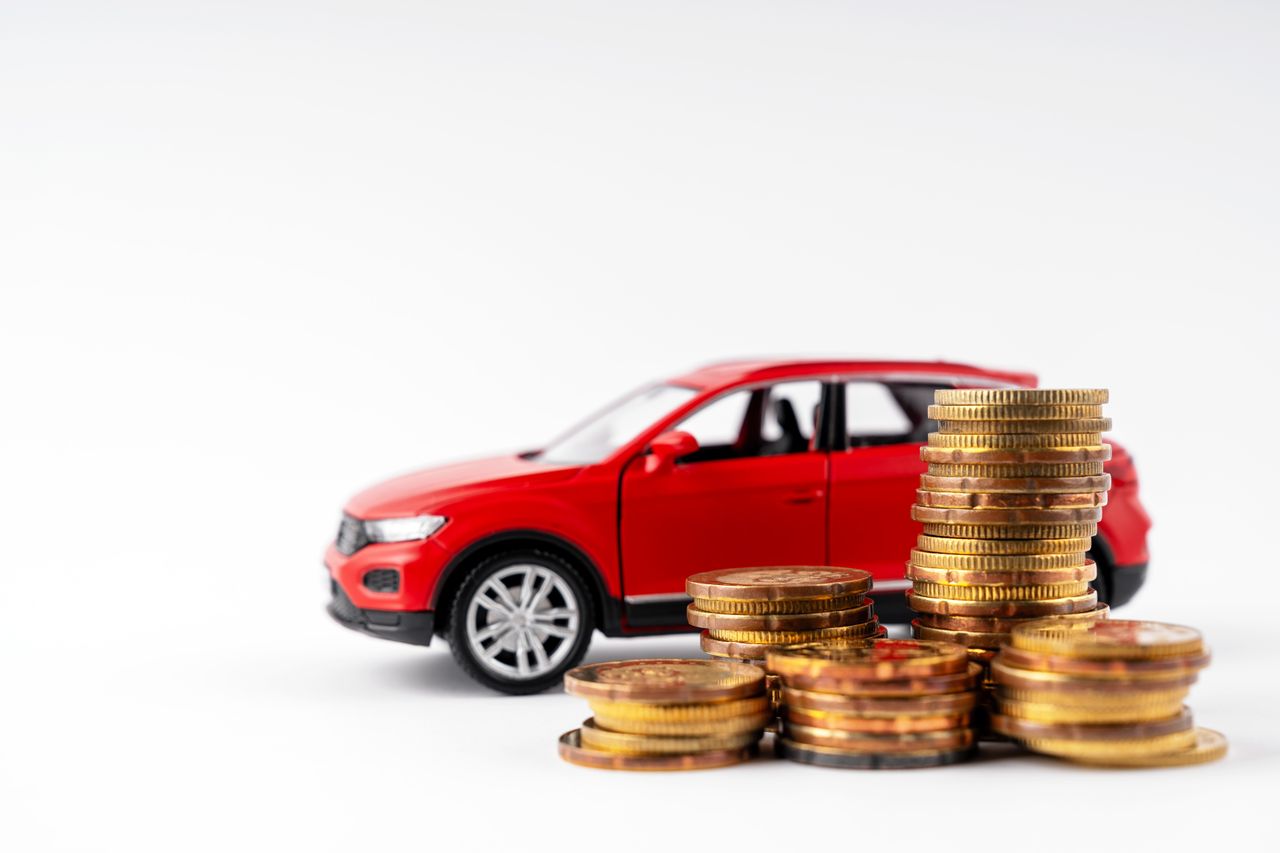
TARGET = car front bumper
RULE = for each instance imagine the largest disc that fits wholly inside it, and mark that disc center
(404, 626)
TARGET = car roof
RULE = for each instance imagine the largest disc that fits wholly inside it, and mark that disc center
(726, 373)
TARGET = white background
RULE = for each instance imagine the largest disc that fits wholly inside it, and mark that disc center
(257, 255)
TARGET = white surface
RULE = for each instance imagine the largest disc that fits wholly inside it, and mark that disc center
(257, 255)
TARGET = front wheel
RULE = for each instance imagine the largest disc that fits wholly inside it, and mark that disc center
(520, 621)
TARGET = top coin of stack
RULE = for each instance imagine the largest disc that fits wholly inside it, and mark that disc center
(666, 714)
(747, 612)
(1103, 692)
(1011, 499)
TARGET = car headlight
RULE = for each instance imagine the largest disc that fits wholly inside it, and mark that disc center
(403, 529)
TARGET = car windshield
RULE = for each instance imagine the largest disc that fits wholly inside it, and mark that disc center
(604, 432)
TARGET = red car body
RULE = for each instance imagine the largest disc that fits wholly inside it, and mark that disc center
(637, 529)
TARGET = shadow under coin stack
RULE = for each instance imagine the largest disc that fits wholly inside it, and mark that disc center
(1105, 692)
(666, 714)
(746, 613)
(1010, 502)
(886, 704)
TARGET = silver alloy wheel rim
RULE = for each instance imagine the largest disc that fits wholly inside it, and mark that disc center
(525, 614)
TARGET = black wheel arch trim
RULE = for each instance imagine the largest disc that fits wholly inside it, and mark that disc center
(608, 608)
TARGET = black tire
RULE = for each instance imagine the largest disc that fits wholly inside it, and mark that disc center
(460, 641)
(1102, 583)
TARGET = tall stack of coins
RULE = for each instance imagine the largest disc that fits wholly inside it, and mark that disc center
(666, 714)
(883, 704)
(745, 613)
(1012, 497)
(1103, 692)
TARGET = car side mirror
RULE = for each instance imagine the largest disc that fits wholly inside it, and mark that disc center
(667, 448)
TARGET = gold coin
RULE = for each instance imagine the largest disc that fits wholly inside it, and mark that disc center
(881, 743)
(1041, 469)
(572, 750)
(941, 515)
(1005, 500)
(1100, 701)
(1024, 427)
(903, 687)
(673, 681)
(1003, 548)
(701, 712)
(877, 725)
(958, 592)
(880, 706)
(991, 443)
(1051, 412)
(1163, 667)
(1021, 532)
(992, 624)
(1030, 563)
(1024, 577)
(879, 660)
(1021, 728)
(1208, 746)
(817, 635)
(1060, 682)
(1021, 396)
(788, 622)
(774, 583)
(1116, 639)
(595, 737)
(1002, 609)
(700, 728)
(1016, 485)
(756, 651)
(785, 606)
(1112, 750)
(1053, 713)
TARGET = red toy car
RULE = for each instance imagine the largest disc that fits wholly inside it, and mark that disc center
(517, 559)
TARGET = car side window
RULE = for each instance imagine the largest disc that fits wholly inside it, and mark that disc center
(879, 413)
(769, 421)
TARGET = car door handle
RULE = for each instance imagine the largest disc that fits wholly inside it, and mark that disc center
(807, 496)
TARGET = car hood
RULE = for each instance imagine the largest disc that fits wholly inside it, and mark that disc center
(427, 490)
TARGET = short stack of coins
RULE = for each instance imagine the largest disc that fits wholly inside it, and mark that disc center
(666, 714)
(1107, 692)
(745, 613)
(1010, 502)
(877, 705)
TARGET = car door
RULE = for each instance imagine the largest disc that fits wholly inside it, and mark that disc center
(875, 471)
(753, 494)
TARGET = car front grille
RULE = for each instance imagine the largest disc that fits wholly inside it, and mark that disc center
(343, 606)
(351, 536)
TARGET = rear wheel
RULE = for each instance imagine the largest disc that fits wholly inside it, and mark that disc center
(520, 620)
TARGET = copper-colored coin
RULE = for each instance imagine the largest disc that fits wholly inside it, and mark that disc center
(778, 583)
(862, 687)
(778, 608)
(1118, 639)
(879, 743)
(821, 756)
(1002, 547)
(1016, 485)
(983, 500)
(1085, 571)
(787, 622)
(1058, 412)
(880, 660)
(1012, 563)
(594, 736)
(572, 750)
(1058, 682)
(1021, 532)
(1036, 470)
(974, 592)
(1207, 746)
(1002, 609)
(1024, 427)
(967, 638)
(943, 515)
(1020, 442)
(1024, 729)
(877, 725)
(992, 624)
(1021, 396)
(955, 454)
(665, 680)
(791, 638)
(1098, 668)
(757, 651)
(880, 706)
